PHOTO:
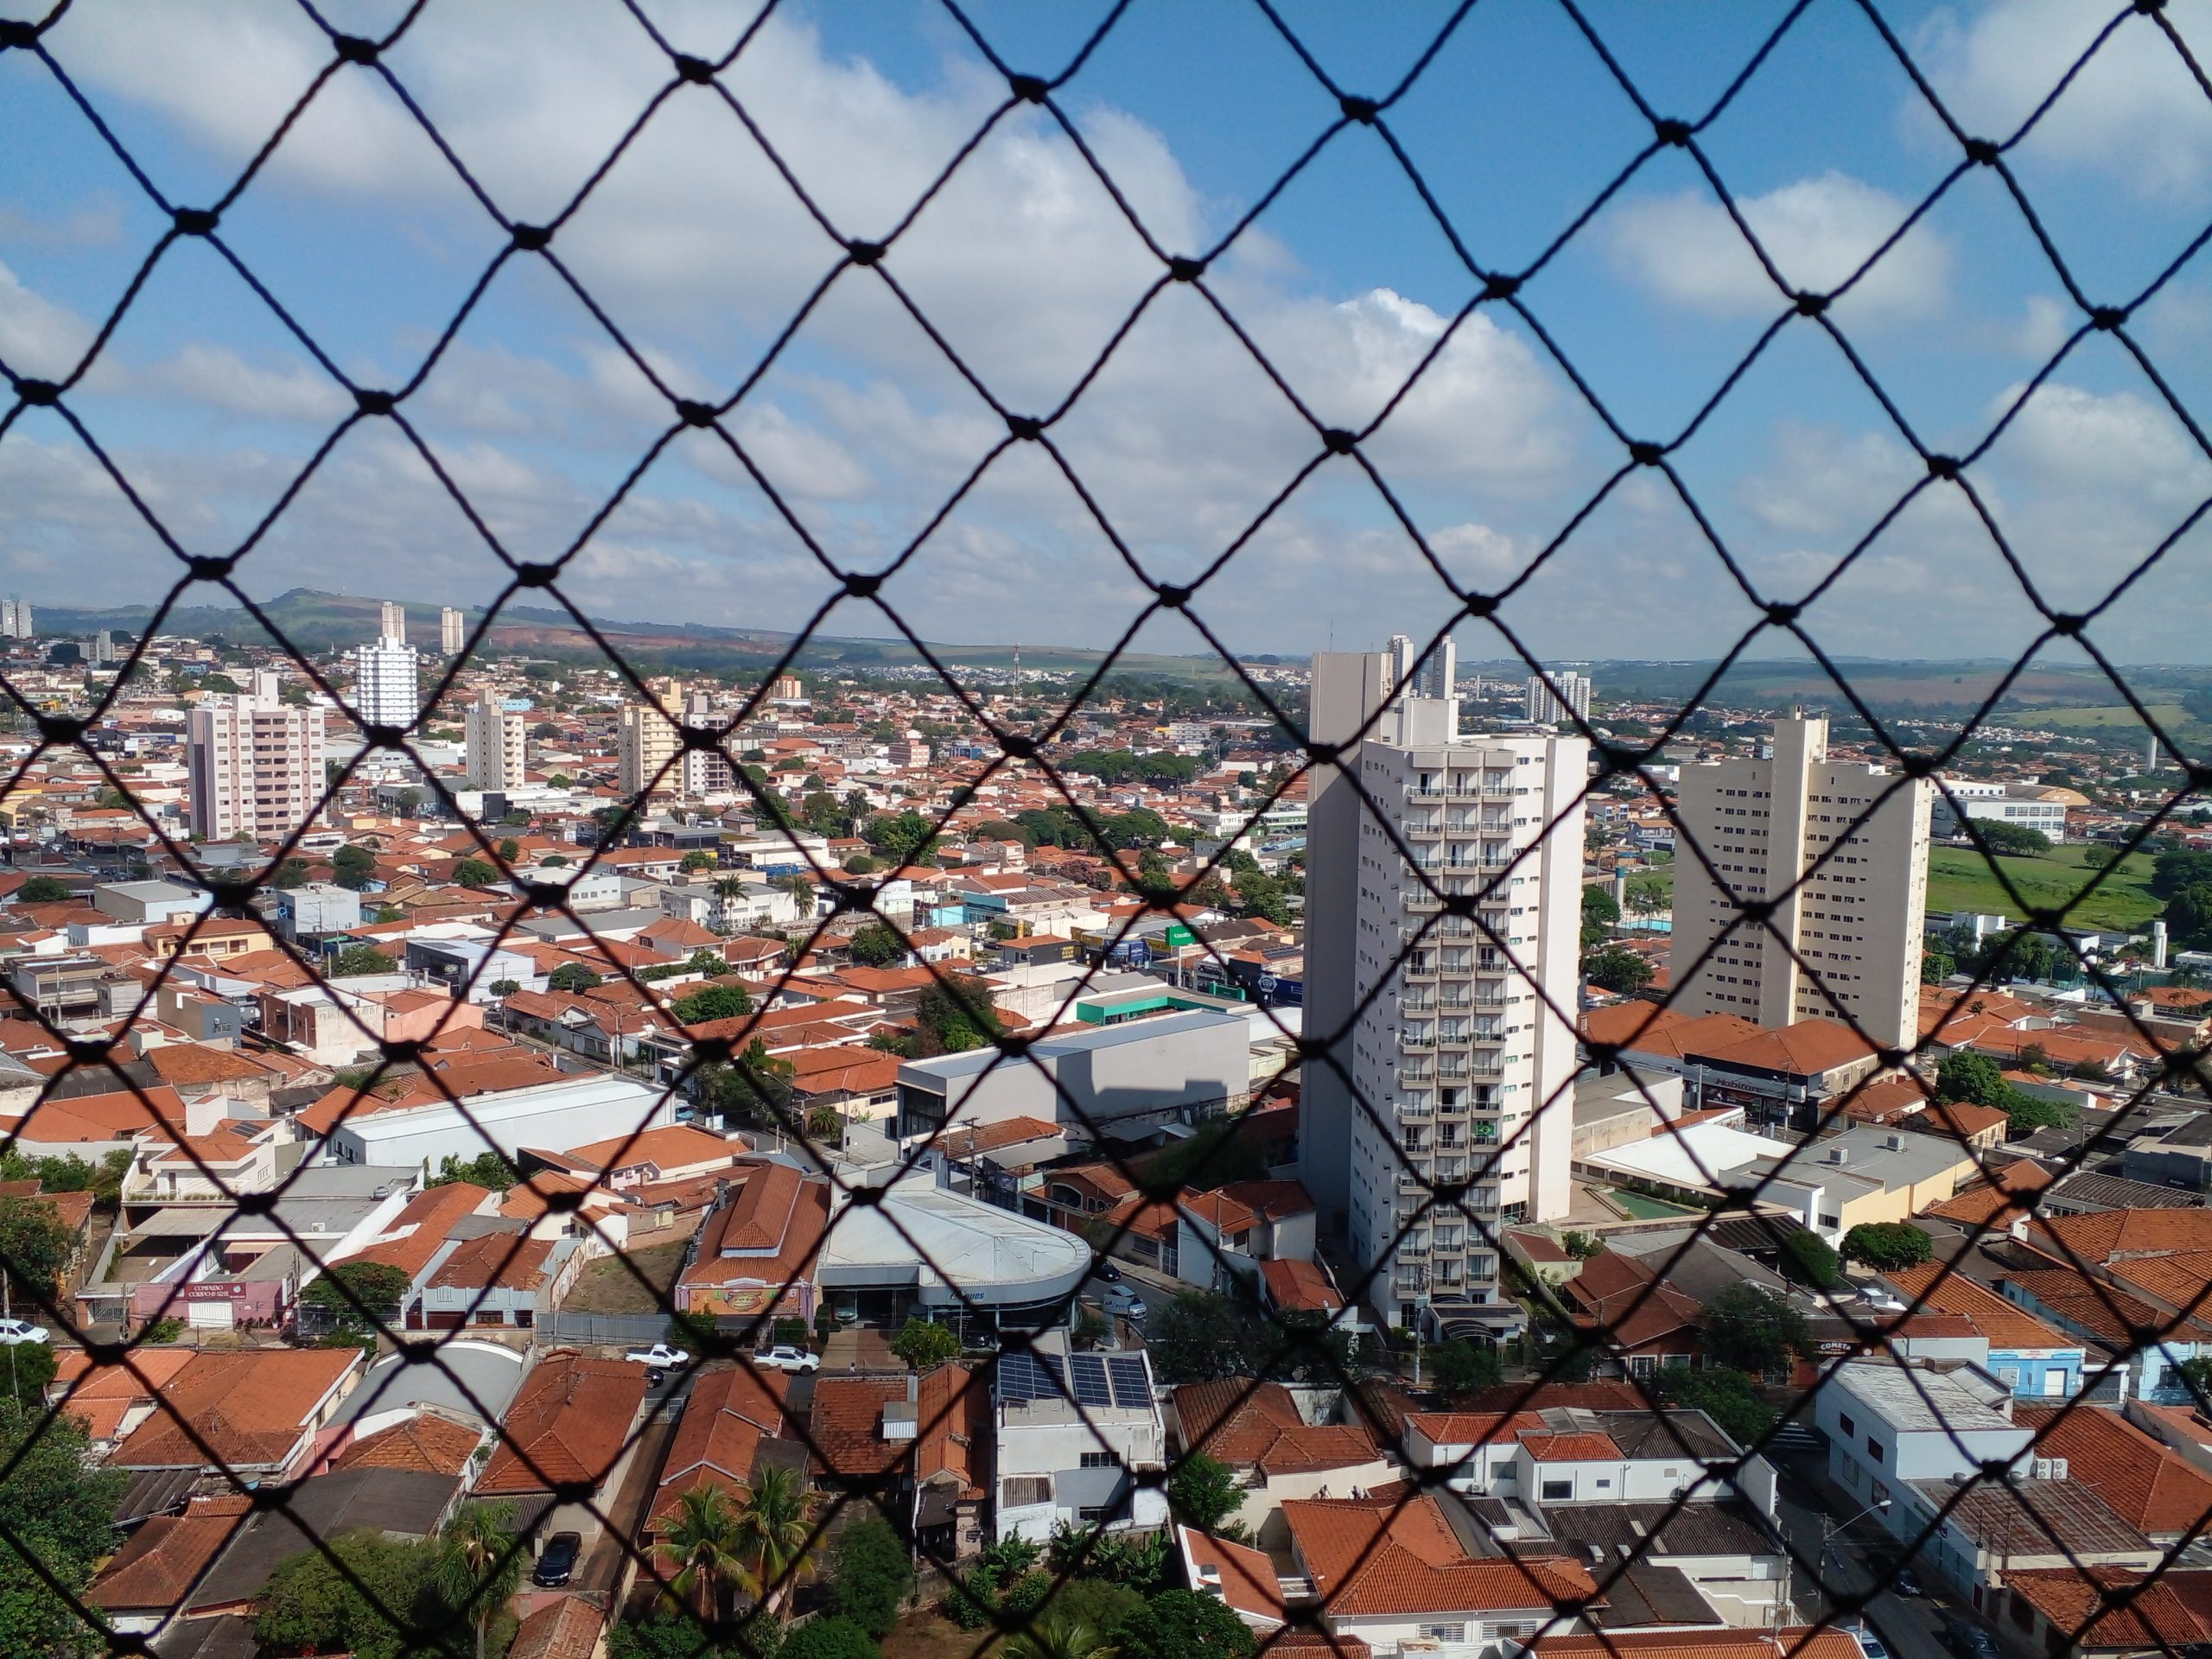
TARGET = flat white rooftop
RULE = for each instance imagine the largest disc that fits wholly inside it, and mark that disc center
(947, 1246)
(1914, 1397)
(1702, 1154)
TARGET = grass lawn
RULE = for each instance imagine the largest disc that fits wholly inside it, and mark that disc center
(1959, 878)
(609, 1286)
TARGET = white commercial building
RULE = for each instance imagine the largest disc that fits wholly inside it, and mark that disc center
(1839, 851)
(386, 689)
(546, 1116)
(1568, 694)
(1456, 970)
(2040, 807)
(948, 1251)
(497, 744)
(257, 769)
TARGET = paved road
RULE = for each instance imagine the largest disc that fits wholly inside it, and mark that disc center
(1910, 1627)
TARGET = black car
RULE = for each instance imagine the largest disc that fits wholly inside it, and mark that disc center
(556, 1562)
(1107, 1272)
(1907, 1583)
(1970, 1642)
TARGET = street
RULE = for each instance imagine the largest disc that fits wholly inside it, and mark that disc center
(1806, 1502)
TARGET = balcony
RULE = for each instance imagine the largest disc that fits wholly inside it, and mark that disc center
(1419, 972)
(1411, 1111)
(1420, 829)
(1417, 1002)
(1485, 1065)
(1409, 1043)
(1421, 902)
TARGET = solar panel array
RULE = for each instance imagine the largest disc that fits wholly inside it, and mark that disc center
(1032, 1376)
(1087, 1375)
(1131, 1380)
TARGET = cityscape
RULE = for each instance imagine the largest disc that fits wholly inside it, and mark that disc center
(976, 832)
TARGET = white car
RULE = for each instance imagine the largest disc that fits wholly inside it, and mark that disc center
(15, 1330)
(660, 1356)
(787, 1359)
(1120, 1299)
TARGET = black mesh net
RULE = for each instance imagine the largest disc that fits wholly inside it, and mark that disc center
(722, 1502)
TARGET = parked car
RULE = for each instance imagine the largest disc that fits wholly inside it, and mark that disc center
(15, 1330)
(556, 1562)
(1970, 1641)
(1124, 1301)
(660, 1356)
(787, 1359)
(1870, 1644)
(1907, 1582)
(1107, 1272)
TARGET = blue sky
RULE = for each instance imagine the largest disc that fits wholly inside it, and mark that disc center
(700, 253)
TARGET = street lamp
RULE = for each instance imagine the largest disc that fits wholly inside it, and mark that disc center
(1830, 1527)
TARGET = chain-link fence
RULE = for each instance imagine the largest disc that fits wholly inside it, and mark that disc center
(1224, 1471)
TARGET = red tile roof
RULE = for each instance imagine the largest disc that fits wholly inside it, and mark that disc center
(570, 1421)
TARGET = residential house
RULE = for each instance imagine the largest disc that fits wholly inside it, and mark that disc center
(1255, 1429)
(1075, 1434)
(2035, 1361)
(255, 1413)
(569, 1423)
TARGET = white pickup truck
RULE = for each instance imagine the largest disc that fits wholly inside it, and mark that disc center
(660, 1356)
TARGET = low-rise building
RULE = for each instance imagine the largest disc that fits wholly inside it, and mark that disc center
(1074, 1434)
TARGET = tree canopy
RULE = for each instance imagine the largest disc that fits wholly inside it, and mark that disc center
(1750, 1328)
(1195, 1338)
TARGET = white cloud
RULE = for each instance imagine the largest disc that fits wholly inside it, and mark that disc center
(2134, 112)
(1817, 231)
(210, 376)
(39, 340)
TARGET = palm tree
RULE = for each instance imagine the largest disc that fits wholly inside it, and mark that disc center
(774, 1526)
(480, 1563)
(704, 1548)
(1054, 1635)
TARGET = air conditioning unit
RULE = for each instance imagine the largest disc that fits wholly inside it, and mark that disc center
(2047, 1468)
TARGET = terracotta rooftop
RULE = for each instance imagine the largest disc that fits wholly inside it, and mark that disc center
(248, 1409)
(570, 1421)
(425, 1441)
(2151, 1489)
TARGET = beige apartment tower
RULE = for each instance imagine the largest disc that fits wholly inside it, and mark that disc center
(1841, 851)
(453, 631)
(497, 744)
(647, 740)
(256, 763)
(1457, 1046)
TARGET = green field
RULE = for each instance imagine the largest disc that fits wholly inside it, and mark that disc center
(1959, 878)
(2168, 714)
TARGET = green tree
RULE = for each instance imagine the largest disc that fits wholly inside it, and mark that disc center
(1888, 1245)
(1616, 967)
(1462, 1367)
(25, 1370)
(571, 976)
(1195, 1338)
(955, 1014)
(702, 1545)
(41, 890)
(478, 1562)
(1177, 1624)
(904, 838)
(925, 1345)
(360, 958)
(292, 873)
(834, 1637)
(1807, 1258)
(697, 859)
(509, 849)
(1056, 1633)
(35, 1249)
(877, 945)
(1204, 1492)
(860, 864)
(377, 1286)
(755, 1088)
(353, 867)
(774, 1528)
(2025, 1113)
(713, 1003)
(475, 873)
(1600, 915)
(870, 1576)
(2010, 840)
(1751, 1328)
(487, 1169)
(380, 1607)
(1729, 1397)
(1936, 965)
(1970, 1077)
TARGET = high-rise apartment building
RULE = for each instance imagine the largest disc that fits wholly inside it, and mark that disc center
(1448, 982)
(1568, 695)
(16, 620)
(386, 683)
(707, 772)
(1431, 675)
(496, 736)
(1839, 850)
(256, 763)
(647, 740)
(453, 631)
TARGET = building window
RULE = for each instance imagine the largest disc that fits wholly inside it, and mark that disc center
(1844, 1423)
(1092, 1515)
(1874, 1448)
(1444, 1632)
(1558, 1491)
(1101, 1460)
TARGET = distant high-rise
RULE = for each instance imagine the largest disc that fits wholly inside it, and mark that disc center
(707, 772)
(386, 689)
(103, 647)
(497, 739)
(1460, 1054)
(1433, 676)
(1854, 921)
(16, 620)
(1568, 694)
(256, 763)
(647, 740)
(453, 631)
